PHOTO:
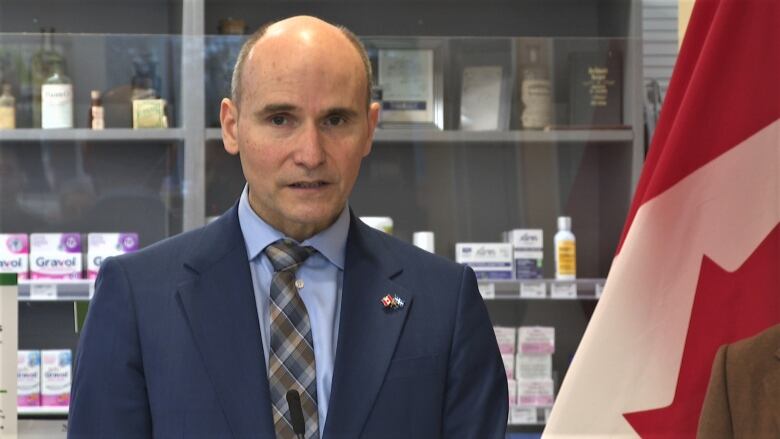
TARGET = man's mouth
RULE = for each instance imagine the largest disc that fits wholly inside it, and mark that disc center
(308, 184)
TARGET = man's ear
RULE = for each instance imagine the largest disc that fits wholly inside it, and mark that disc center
(373, 119)
(228, 117)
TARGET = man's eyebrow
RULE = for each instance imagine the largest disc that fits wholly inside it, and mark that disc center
(343, 111)
(277, 108)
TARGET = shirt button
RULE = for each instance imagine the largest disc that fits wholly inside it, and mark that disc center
(299, 284)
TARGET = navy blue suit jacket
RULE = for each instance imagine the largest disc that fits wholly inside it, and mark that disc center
(171, 347)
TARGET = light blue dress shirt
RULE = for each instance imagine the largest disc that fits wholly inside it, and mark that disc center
(322, 276)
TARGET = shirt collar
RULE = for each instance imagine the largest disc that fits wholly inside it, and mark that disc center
(331, 242)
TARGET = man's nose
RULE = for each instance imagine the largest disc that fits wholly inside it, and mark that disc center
(309, 152)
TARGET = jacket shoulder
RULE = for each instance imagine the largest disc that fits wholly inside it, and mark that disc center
(755, 351)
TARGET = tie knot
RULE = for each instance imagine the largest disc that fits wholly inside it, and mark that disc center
(287, 255)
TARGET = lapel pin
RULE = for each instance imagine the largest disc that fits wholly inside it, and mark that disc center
(392, 302)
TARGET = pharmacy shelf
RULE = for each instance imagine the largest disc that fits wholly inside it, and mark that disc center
(84, 135)
(46, 290)
(541, 289)
(42, 411)
(522, 136)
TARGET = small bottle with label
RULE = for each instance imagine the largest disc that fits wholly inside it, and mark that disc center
(565, 251)
(96, 112)
(57, 100)
(7, 108)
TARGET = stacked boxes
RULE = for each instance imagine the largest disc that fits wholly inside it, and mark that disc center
(518, 257)
(531, 393)
(507, 342)
(535, 393)
(43, 378)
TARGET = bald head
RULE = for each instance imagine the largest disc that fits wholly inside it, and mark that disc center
(296, 35)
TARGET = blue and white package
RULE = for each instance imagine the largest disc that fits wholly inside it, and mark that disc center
(489, 260)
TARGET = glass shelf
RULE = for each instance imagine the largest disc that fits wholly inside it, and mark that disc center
(517, 136)
(541, 289)
(84, 134)
(46, 290)
(43, 411)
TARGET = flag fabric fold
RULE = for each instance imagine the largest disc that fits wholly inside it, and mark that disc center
(698, 264)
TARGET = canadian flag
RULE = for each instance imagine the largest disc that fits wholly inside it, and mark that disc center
(699, 260)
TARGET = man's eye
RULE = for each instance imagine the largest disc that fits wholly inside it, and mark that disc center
(278, 120)
(335, 120)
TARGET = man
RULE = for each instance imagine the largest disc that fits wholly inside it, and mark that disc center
(202, 335)
(742, 398)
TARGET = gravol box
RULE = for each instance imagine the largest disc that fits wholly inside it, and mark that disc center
(28, 378)
(15, 255)
(55, 256)
(528, 246)
(55, 377)
(104, 245)
(489, 260)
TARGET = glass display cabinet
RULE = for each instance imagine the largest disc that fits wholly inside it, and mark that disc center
(496, 116)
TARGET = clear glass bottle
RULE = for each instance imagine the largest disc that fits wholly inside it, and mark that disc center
(7, 108)
(144, 82)
(57, 100)
(96, 112)
(536, 92)
(41, 69)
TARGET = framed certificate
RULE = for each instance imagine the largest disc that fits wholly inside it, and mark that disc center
(485, 79)
(408, 75)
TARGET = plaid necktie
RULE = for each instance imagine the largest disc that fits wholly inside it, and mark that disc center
(291, 360)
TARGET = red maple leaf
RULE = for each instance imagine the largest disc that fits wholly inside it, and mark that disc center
(727, 307)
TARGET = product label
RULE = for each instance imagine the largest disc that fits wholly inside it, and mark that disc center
(148, 113)
(535, 393)
(57, 106)
(488, 260)
(56, 377)
(7, 118)
(55, 256)
(14, 254)
(537, 98)
(97, 118)
(533, 367)
(528, 265)
(566, 257)
(536, 340)
(533, 290)
(28, 378)
(509, 365)
(506, 339)
(104, 245)
(512, 390)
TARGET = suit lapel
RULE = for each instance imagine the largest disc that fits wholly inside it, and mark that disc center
(220, 307)
(368, 332)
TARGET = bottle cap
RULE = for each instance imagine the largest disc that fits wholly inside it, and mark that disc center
(564, 223)
(94, 94)
(424, 240)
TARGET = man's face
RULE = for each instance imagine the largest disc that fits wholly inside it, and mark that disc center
(301, 130)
